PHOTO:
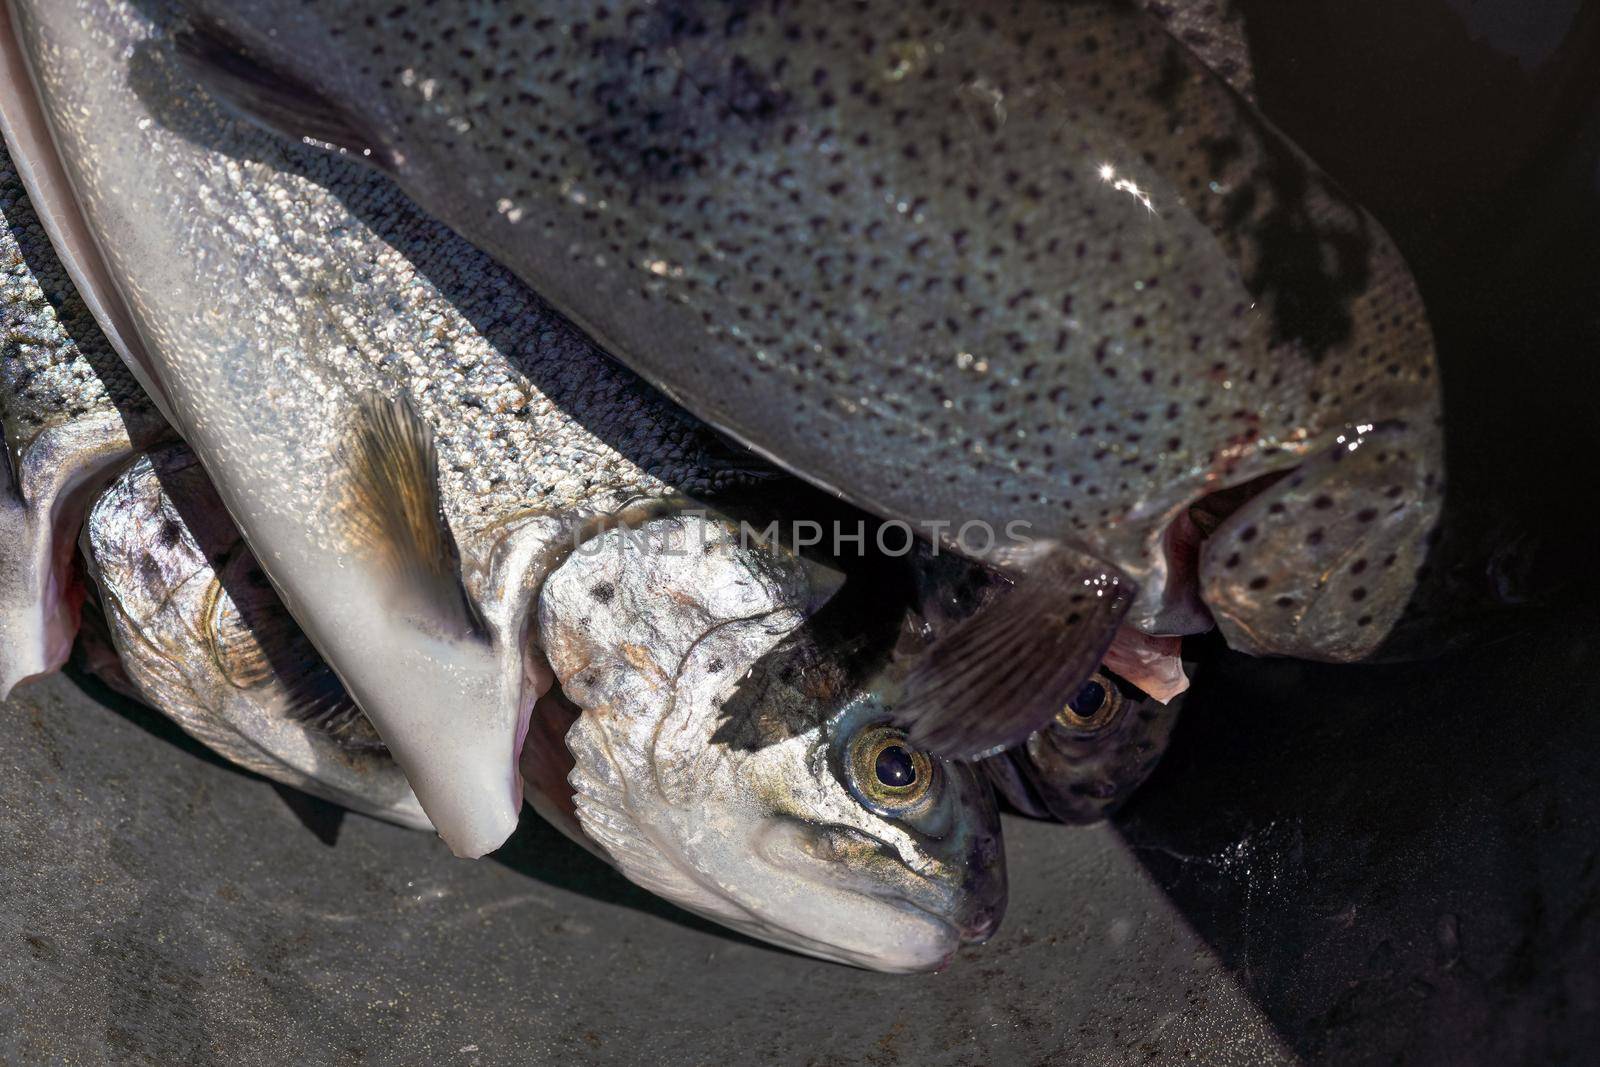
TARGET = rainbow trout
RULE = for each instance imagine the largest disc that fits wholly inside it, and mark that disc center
(1026, 277)
(405, 465)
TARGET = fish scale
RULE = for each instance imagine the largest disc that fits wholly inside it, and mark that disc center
(272, 285)
(957, 263)
(70, 414)
(412, 447)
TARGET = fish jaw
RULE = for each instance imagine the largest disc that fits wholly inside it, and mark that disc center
(900, 935)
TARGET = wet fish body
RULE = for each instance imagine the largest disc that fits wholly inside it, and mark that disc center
(201, 635)
(71, 415)
(1035, 261)
(270, 308)
(346, 370)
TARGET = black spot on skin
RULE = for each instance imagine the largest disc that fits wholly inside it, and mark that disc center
(657, 129)
(1310, 301)
(1169, 85)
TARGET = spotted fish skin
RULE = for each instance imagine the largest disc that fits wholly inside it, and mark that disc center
(956, 262)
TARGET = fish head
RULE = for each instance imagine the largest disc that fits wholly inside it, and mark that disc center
(736, 759)
(1102, 745)
(849, 843)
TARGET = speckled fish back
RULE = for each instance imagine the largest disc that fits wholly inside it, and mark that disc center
(999, 262)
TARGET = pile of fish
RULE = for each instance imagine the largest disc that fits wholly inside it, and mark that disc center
(408, 400)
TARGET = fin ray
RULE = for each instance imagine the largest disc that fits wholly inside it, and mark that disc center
(272, 98)
(1005, 671)
(391, 512)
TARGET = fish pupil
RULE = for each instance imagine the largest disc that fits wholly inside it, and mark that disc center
(1088, 700)
(895, 768)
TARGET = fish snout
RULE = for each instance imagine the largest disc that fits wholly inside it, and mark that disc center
(981, 926)
(984, 890)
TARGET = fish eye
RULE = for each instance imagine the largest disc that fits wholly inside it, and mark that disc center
(1096, 704)
(887, 773)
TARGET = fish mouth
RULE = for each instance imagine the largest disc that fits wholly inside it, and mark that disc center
(981, 927)
(973, 924)
(897, 900)
(955, 934)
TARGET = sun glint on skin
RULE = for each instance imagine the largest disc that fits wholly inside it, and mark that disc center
(1108, 174)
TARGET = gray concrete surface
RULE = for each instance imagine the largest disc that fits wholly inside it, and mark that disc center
(157, 906)
(1342, 865)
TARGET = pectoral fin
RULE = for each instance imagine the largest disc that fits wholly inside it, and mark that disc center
(389, 509)
(1004, 672)
(275, 99)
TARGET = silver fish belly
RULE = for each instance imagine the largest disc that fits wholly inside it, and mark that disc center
(986, 264)
(202, 637)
